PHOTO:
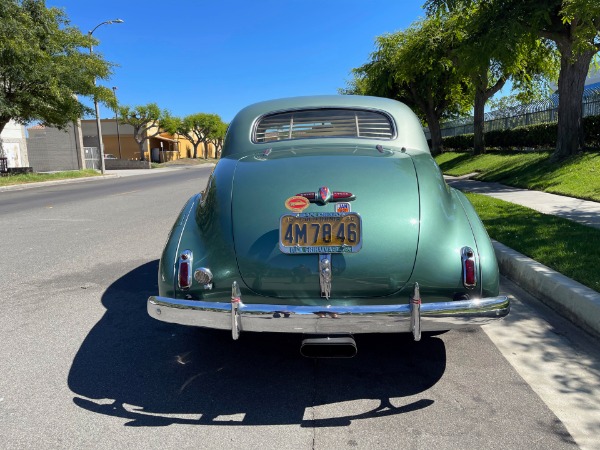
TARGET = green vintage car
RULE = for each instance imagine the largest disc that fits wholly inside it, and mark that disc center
(327, 216)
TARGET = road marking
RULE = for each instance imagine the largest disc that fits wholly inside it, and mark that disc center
(65, 220)
(124, 193)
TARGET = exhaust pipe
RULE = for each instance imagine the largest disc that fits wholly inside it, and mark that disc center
(328, 347)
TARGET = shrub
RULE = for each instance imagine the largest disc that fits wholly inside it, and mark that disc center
(591, 125)
(538, 136)
(460, 142)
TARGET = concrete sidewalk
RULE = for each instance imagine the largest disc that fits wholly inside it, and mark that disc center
(573, 300)
(582, 211)
(171, 168)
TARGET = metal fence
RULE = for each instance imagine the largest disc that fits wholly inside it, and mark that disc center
(92, 158)
(545, 111)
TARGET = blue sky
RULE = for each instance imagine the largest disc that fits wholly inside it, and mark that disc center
(219, 56)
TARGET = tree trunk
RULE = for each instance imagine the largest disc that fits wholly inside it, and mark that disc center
(479, 122)
(571, 81)
(436, 133)
(141, 146)
(140, 141)
(483, 92)
(196, 149)
(3, 121)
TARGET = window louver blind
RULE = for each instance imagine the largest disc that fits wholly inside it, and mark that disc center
(323, 123)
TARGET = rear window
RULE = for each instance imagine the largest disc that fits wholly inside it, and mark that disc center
(323, 123)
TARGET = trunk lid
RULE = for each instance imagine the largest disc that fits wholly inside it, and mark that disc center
(387, 199)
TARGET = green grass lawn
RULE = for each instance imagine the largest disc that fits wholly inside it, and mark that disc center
(565, 246)
(37, 177)
(578, 176)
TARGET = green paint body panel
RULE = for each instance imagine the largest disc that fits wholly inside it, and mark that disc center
(414, 224)
(387, 197)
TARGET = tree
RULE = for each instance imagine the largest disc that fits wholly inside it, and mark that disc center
(45, 64)
(414, 66)
(574, 28)
(217, 136)
(200, 128)
(145, 120)
(489, 57)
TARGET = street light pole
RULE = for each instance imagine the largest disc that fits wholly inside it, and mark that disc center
(98, 124)
(117, 120)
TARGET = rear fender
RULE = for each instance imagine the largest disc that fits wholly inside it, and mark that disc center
(489, 274)
(206, 232)
(167, 264)
(444, 230)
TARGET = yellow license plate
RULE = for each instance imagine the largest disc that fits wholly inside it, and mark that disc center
(320, 233)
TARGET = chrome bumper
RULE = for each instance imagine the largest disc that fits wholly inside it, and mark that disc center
(413, 317)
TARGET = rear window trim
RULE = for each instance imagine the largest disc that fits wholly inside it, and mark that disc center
(389, 117)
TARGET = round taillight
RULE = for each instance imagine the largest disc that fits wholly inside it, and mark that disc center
(203, 276)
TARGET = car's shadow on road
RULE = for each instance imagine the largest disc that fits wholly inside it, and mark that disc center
(134, 367)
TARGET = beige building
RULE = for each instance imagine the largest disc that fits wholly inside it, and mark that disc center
(121, 144)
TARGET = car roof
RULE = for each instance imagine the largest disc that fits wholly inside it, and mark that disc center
(408, 127)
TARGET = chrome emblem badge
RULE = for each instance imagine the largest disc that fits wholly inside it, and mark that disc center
(324, 195)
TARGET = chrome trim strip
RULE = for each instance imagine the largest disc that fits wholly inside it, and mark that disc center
(325, 319)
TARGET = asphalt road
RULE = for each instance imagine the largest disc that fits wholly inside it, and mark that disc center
(83, 366)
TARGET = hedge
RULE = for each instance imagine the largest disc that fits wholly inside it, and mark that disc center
(530, 136)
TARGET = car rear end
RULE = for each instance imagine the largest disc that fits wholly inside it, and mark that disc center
(328, 236)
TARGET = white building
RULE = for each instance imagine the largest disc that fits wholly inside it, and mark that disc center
(14, 144)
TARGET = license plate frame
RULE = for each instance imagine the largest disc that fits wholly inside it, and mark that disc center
(310, 236)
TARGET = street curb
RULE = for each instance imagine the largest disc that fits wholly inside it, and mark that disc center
(576, 302)
(106, 176)
(21, 187)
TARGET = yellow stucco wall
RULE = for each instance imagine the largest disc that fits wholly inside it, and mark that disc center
(130, 149)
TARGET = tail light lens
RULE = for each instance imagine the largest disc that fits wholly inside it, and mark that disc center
(469, 268)
(184, 277)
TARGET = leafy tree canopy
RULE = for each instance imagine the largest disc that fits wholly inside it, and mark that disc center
(573, 27)
(488, 53)
(45, 64)
(200, 128)
(146, 120)
(415, 66)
